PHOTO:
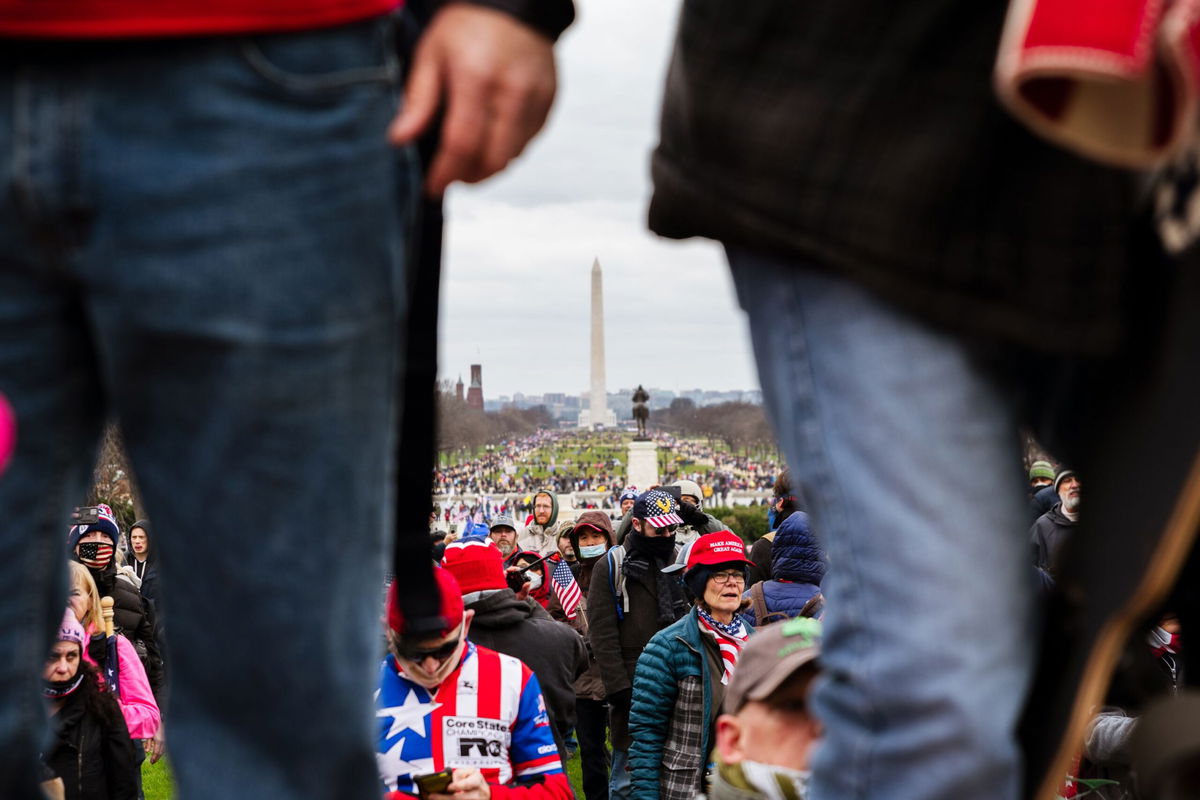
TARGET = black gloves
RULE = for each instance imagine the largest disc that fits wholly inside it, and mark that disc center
(620, 699)
(98, 649)
(693, 515)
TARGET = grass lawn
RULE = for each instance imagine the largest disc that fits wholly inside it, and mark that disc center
(157, 784)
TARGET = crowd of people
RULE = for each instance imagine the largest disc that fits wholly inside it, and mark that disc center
(569, 462)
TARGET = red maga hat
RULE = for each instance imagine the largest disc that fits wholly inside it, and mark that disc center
(722, 547)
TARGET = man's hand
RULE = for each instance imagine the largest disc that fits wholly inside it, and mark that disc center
(496, 79)
(468, 784)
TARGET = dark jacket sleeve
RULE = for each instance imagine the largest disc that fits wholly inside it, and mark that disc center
(655, 689)
(548, 17)
(604, 630)
(147, 632)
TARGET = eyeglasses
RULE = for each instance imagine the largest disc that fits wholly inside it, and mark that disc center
(665, 530)
(411, 652)
(722, 578)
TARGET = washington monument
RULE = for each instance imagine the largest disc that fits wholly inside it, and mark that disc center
(597, 412)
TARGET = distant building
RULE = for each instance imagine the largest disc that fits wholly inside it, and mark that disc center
(458, 389)
(475, 393)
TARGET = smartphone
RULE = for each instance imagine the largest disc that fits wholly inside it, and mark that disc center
(87, 515)
(437, 783)
(674, 491)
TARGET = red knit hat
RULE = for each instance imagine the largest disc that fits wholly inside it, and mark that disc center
(450, 608)
(476, 564)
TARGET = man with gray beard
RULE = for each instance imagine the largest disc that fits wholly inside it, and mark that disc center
(1051, 529)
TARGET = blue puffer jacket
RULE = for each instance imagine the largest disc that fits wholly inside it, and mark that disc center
(797, 567)
(672, 714)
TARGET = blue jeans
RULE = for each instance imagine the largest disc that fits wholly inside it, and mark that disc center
(906, 452)
(620, 781)
(205, 239)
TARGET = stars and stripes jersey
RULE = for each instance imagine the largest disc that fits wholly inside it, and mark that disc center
(488, 714)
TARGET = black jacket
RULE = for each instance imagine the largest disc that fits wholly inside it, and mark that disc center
(1047, 535)
(554, 651)
(91, 750)
(134, 617)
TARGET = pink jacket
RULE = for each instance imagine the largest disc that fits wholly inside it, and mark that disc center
(136, 700)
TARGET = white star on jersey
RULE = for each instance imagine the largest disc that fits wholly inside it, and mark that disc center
(409, 716)
(392, 763)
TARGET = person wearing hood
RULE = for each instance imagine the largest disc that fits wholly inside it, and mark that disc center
(1053, 528)
(94, 544)
(797, 567)
(630, 599)
(90, 749)
(518, 627)
(783, 504)
(591, 538)
(541, 535)
(143, 558)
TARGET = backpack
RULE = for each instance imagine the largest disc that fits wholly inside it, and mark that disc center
(758, 601)
(616, 578)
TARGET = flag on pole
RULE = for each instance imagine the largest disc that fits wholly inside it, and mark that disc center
(566, 589)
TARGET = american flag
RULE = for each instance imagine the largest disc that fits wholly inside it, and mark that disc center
(566, 589)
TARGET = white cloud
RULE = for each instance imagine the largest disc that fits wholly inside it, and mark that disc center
(519, 248)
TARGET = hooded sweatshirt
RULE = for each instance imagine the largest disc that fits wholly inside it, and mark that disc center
(542, 539)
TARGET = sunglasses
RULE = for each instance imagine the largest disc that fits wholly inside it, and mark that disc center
(410, 652)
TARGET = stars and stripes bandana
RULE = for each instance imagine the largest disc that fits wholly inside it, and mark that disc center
(566, 589)
(729, 637)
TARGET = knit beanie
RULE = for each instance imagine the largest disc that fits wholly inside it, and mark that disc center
(1041, 469)
(1062, 476)
(70, 630)
(107, 524)
(476, 564)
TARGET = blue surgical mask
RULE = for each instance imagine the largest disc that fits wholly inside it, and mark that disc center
(591, 551)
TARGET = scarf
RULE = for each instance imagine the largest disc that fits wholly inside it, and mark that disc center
(643, 552)
(758, 780)
(729, 637)
(53, 690)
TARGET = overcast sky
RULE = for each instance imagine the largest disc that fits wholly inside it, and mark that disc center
(519, 249)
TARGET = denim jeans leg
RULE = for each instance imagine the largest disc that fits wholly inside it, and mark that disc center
(906, 453)
(243, 279)
(47, 374)
(620, 782)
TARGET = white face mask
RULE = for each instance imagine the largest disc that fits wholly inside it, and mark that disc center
(535, 580)
(591, 551)
(777, 783)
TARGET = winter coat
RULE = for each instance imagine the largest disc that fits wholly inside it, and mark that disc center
(589, 685)
(91, 750)
(760, 554)
(134, 617)
(554, 652)
(542, 539)
(809, 149)
(797, 567)
(671, 720)
(1047, 535)
(617, 643)
(138, 706)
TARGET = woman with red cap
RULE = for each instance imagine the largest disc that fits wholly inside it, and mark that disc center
(681, 675)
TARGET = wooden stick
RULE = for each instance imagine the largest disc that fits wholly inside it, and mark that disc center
(106, 611)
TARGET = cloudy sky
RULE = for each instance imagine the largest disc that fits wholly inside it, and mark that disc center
(519, 249)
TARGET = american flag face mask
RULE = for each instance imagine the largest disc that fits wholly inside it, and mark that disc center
(97, 555)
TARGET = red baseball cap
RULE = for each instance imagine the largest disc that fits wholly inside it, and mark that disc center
(450, 608)
(722, 547)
